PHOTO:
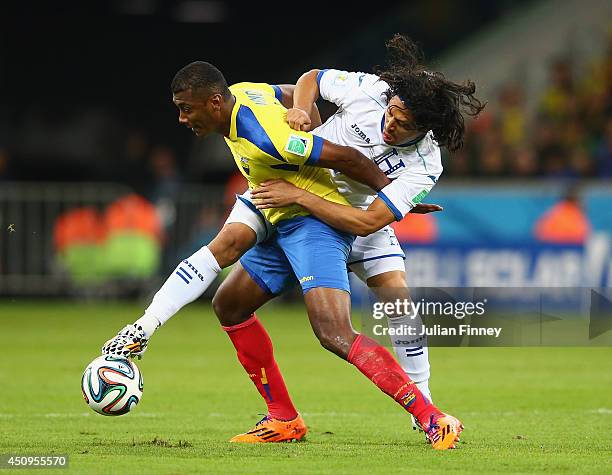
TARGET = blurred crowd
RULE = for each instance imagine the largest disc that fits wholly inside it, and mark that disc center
(568, 136)
(566, 133)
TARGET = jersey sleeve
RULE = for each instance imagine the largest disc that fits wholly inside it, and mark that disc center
(297, 147)
(265, 128)
(405, 192)
(335, 85)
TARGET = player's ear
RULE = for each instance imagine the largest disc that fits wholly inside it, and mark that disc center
(215, 102)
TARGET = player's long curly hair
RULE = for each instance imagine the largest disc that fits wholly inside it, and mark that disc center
(436, 103)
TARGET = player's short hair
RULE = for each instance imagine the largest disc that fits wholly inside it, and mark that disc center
(436, 103)
(202, 78)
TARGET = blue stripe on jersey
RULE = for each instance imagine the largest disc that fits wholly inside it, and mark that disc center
(413, 141)
(277, 92)
(394, 210)
(249, 128)
(315, 153)
(320, 75)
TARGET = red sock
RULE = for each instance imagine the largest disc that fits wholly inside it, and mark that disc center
(255, 352)
(380, 367)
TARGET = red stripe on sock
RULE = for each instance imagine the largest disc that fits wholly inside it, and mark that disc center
(256, 354)
(379, 366)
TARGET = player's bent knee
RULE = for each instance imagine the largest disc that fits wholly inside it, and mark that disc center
(389, 286)
(231, 243)
(334, 338)
(338, 344)
(224, 307)
(233, 307)
(329, 314)
(327, 341)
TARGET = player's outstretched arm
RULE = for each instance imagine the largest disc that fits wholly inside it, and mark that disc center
(353, 164)
(279, 193)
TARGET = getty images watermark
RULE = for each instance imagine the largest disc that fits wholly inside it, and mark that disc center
(416, 311)
(487, 316)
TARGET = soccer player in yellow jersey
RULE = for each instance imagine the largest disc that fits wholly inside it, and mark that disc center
(305, 249)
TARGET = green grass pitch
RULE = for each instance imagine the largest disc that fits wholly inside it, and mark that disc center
(525, 410)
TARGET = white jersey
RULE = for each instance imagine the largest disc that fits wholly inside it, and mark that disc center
(358, 123)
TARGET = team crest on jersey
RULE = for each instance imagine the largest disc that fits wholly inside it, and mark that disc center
(340, 79)
(297, 145)
(244, 162)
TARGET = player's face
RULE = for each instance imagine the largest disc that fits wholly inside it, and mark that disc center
(399, 123)
(196, 112)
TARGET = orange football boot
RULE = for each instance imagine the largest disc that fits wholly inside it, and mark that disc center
(443, 431)
(273, 430)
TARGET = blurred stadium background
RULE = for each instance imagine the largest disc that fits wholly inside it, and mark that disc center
(95, 168)
(102, 192)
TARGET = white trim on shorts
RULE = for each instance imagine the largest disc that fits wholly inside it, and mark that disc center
(376, 254)
(245, 212)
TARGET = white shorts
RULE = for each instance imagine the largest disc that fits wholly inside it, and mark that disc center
(371, 255)
(245, 212)
(376, 254)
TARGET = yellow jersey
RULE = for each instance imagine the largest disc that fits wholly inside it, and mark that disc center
(265, 147)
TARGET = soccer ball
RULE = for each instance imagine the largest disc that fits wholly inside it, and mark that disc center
(112, 385)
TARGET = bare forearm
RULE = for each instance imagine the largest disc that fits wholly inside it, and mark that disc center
(366, 171)
(344, 218)
(306, 91)
(357, 166)
(287, 91)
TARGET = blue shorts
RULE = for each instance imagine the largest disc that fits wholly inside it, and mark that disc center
(304, 250)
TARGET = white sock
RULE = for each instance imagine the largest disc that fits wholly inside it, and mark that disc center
(188, 281)
(411, 351)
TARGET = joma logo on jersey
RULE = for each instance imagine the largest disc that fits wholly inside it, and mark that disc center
(360, 132)
(306, 279)
(297, 145)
